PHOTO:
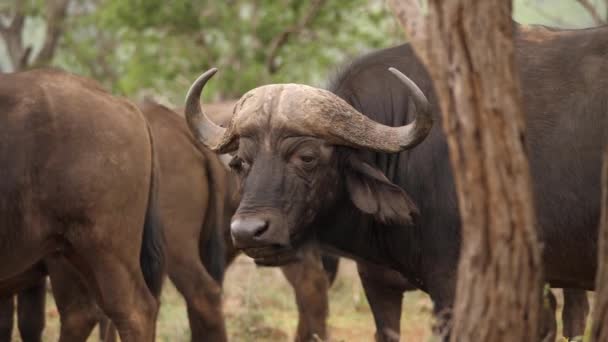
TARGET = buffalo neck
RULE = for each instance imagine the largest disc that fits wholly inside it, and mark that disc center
(348, 232)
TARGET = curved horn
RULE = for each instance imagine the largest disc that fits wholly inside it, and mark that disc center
(353, 128)
(206, 131)
(414, 133)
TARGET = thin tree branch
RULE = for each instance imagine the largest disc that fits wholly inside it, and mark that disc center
(595, 15)
(12, 35)
(56, 13)
(25, 57)
(280, 40)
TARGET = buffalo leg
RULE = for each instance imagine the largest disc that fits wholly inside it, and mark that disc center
(7, 307)
(574, 314)
(78, 311)
(120, 289)
(310, 283)
(330, 265)
(126, 299)
(384, 291)
(30, 311)
(201, 292)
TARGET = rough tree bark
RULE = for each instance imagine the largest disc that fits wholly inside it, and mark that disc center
(12, 33)
(599, 332)
(467, 45)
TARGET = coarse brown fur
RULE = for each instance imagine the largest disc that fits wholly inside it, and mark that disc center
(77, 182)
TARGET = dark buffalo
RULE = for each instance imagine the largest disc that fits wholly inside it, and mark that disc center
(197, 215)
(310, 277)
(198, 239)
(384, 288)
(30, 311)
(342, 166)
(78, 181)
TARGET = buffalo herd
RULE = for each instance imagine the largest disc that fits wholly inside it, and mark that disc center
(107, 198)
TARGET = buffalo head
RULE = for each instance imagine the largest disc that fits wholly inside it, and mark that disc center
(294, 150)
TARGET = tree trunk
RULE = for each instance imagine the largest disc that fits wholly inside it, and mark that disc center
(467, 45)
(600, 315)
(55, 17)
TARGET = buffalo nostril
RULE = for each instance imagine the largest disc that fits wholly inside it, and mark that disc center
(261, 229)
(245, 231)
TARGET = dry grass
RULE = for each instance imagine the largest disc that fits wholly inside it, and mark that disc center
(259, 306)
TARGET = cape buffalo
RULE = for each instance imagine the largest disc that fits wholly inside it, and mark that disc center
(30, 311)
(78, 181)
(384, 289)
(198, 197)
(343, 167)
(308, 277)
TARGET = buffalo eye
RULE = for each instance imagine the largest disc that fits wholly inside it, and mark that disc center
(305, 161)
(238, 164)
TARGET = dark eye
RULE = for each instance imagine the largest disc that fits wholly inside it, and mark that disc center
(307, 159)
(237, 164)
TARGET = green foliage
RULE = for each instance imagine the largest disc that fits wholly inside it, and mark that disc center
(152, 45)
(159, 47)
(558, 13)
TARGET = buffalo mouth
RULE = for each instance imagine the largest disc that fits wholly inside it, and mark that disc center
(272, 255)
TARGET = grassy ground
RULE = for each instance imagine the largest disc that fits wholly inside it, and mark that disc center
(259, 306)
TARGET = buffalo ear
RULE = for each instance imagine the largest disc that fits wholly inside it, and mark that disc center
(374, 194)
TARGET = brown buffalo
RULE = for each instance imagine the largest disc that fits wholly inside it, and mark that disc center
(198, 245)
(77, 181)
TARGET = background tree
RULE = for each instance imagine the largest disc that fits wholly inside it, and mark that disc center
(151, 45)
(600, 315)
(250, 42)
(157, 47)
(12, 30)
(468, 48)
